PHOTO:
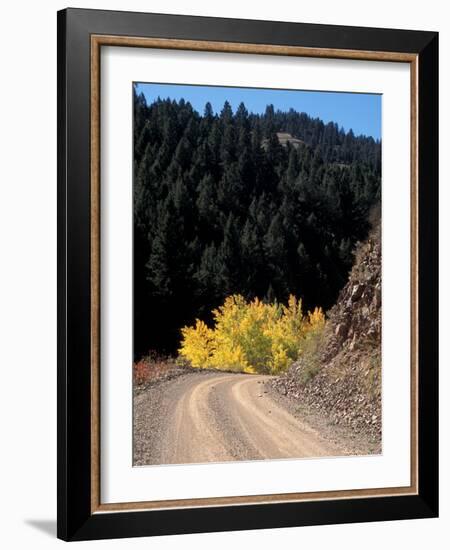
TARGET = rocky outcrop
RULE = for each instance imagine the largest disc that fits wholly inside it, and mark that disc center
(284, 138)
(340, 375)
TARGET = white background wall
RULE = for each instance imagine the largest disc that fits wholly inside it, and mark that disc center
(28, 271)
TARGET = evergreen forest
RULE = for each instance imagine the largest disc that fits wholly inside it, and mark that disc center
(236, 203)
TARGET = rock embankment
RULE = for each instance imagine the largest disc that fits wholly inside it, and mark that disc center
(341, 376)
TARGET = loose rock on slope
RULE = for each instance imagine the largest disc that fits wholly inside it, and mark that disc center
(341, 377)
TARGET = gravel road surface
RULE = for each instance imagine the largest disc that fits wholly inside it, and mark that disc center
(218, 417)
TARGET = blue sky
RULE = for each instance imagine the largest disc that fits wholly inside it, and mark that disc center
(359, 112)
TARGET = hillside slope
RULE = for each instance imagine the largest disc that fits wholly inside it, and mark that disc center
(340, 375)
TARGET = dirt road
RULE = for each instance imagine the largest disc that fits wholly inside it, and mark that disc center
(217, 417)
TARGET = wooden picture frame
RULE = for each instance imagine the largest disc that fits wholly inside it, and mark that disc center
(81, 35)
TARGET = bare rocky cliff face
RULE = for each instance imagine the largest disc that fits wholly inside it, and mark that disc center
(339, 375)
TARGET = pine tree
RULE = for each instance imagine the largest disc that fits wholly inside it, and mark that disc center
(221, 207)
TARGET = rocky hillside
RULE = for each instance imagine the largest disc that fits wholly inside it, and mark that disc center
(339, 373)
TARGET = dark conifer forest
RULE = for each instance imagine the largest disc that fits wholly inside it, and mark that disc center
(263, 205)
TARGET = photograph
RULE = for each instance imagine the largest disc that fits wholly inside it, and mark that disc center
(247, 260)
(257, 262)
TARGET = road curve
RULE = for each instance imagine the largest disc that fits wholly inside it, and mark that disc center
(218, 417)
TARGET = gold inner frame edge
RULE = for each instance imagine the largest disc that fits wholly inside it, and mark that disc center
(97, 41)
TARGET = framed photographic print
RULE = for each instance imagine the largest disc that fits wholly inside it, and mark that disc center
(247, 255)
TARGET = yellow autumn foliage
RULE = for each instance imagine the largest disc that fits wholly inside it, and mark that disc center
(253, 337)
